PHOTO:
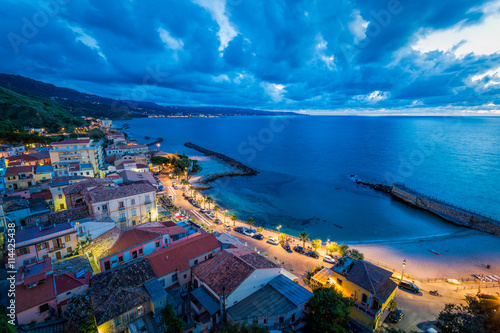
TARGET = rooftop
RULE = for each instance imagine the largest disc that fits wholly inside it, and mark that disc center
(85, 184)
(27, 298)
(37, 232)
(14, 171)
(120, 289)
(106, 193)
(177, 256)
(81, 141)
(69, 281)
(72, 265)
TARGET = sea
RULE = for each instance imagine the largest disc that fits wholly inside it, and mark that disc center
(306, 166)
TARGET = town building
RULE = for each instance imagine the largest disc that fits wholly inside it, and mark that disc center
(19, 177)
(43, 173)
(58, 198)
(127, 205)
(125, 149)
(132, 176)
(106, 123)
(81, 150)
(369, 285)
(74, 193)
(53, 241)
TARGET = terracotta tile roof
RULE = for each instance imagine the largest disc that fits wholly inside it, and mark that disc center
(177, 255)
(115, 240)
(110, 159)
(120, 289)
(72, 265)
(28, 298)
(71, 214)
(229, 268)
(84, 184)
(374, 279)
(45, 195)
(68, 281)
(14, 171)
(106, 193)
(71, 142)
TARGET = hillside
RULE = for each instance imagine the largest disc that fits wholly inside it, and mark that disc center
(83, 104)
(19, 111)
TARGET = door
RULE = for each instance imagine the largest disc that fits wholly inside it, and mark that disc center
(58, 255)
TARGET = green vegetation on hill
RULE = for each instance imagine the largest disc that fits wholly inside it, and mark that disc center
(23, 111)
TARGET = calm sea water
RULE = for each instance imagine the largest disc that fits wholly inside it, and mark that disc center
(305, 163)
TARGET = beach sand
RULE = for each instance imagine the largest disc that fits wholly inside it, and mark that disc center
(457, 256)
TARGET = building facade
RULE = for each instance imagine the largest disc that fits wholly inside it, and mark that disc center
(81, 150)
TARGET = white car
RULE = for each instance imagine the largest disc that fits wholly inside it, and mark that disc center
(330, 259)
(211, 216)
(272, 241)
(249, 232)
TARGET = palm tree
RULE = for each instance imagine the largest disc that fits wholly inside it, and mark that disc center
(191, 189)
(195, 194)
(216, 209)
(200, 201)
(250, 222)
(234, 218)
(304, 237)
(204, 200)
(209, 201)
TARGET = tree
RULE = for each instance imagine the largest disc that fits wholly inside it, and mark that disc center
(304, 237)
(332, 247)
(209, 201)
(234, 218)
(169, 322)
(80, 314)
(191, 188)
(282, 237)
(316, 244)
(343, 249)
(160, 160)
(356, 254)
(243, 327)
(329, 311)
(216, 209)
(204, 197)
(5, 327)
(478, 315)
(250, 222)
(259, 230)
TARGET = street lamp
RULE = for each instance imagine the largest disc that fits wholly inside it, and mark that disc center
(402, 273)
(278, 227)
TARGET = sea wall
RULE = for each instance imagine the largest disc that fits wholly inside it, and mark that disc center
(449, 212)
(242, 169)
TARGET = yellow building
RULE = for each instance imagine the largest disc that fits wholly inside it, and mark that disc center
(80, 150)
(56, 189)
(369, 285)
(19, 177)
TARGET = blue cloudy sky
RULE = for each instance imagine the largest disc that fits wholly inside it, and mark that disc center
(344, 57)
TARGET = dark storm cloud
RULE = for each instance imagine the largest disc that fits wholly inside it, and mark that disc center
(327, 55)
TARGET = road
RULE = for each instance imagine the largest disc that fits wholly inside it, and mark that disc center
(421, 310)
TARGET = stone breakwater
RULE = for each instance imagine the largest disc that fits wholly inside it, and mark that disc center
(448, 212)
(242, 169)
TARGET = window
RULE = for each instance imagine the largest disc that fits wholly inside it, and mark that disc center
(174, 278)
(67, 238)
(293, 317)
(118, 321)
(140, 311)
(43, 308)
(162, 281)
(68, 293)
(88, 173)
(104, 208)
(265, 321)
(364, 298)
(69, 249)
(120, 259)
(134, 212)
(196, 261)
(23, 251)
(140, 252)
(132, 202)
(134, 254)
(80, 229)
(282, 320)
(60, 196)
(157, 244)
(148, 209)
(122, 216)
(61, 206)
(41, 246)
(121, 205)
(147, 199)
(185, 276)
(210, 256)
(107, 265)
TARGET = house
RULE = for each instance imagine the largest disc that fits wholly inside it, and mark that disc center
(35, 293)
(19, 177)
(132, 166)
(230, 276)
(106, 123)
(125, 149)
(121, 295)
(278, 304)
(132, 176)
(69, 284)
(58, 198)
(119, 246)
(172, 265)
(127, 205)
(137, 158)
(25, 212)
(36, 158)
(54, 241)
(369, 285)
(80, 150)
(43, 173)
(74, 193)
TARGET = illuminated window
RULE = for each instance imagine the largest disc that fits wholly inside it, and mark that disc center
(67, 238)
(140, 311)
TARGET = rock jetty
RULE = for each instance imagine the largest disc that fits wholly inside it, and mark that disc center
(242, 169)
(376, 187)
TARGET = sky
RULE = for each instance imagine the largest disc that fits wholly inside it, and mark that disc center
(362, 57)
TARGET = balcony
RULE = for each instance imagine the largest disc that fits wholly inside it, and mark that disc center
(366, 310)
(121, 208)
(57, 248)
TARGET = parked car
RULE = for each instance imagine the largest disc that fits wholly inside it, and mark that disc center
(156, 178)
(218, 221)
(285, 245)
(161, 187)
(239, 229)
(170, 197)
(272, 241)
(313, 254)
(211, 216)
(259, 236)
(409, 286)
(175, 187)
(173, 183)
(249, 232)
(202, 210)
(228, 227)
(396, 316)
(330, 259)
(298, 249)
